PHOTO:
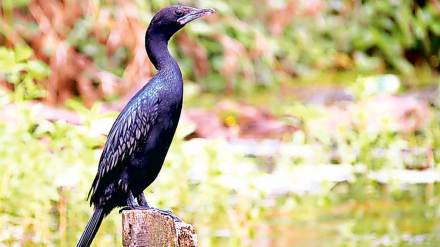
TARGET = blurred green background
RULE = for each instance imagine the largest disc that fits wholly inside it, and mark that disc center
(305, 123)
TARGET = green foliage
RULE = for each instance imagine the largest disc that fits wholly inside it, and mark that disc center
(23, 72)
(43, 183)
(249, 45)
(8, 5)
(370, 33)
(365, 36)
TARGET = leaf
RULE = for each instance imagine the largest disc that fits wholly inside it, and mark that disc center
(38, 69)
(11, 4)
(22, 53)
(7, 60)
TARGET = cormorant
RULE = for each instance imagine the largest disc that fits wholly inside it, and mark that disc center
(142, 133)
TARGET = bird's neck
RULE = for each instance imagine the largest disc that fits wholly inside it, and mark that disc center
(156, 44)
(168, 70)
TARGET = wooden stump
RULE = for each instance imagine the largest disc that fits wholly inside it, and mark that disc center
(150, 228)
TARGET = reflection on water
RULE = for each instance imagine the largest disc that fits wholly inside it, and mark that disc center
(375, 216)
(372, 218)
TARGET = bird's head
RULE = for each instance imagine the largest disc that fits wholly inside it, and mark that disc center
(171, 19)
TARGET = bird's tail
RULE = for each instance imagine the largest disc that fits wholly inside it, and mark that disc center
(91, 228)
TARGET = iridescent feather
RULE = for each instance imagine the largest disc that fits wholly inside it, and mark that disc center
(129, 130)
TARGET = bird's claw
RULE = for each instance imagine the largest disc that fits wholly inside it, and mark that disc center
(161, 211)
(124, 209)
(134, 208)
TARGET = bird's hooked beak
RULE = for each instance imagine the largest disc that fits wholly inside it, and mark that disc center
(195, 14)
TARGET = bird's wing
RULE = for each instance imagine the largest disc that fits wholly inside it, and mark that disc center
(131, 126)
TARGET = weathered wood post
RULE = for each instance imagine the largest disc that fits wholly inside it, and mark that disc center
(150, 228)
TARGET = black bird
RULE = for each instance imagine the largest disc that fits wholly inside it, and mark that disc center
(142, 133)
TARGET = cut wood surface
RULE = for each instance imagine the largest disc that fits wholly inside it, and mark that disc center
(154, 229)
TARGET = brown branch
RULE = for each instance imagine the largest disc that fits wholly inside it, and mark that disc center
(153, 229)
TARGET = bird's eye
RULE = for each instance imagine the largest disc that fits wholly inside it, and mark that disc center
(179, 13)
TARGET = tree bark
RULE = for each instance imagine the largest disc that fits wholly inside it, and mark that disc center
(151, 228)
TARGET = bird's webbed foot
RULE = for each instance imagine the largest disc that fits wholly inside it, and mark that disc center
(139, 207)
(161, 211)
(142, 201)
(124, 209)
(133, 203)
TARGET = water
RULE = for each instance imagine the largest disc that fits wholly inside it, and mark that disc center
(379, 217)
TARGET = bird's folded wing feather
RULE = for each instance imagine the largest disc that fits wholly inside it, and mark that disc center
(131, 126)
